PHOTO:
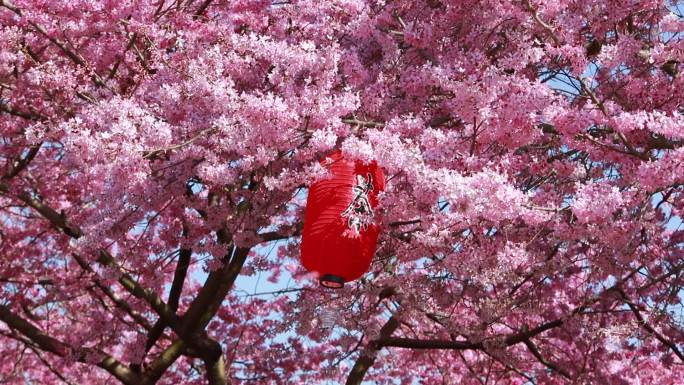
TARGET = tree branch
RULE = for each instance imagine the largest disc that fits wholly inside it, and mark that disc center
(138, 291)
(97, 79)
(637, 314)
(202, 309)
(367, 357)
(7, 4)
(153, 154)
(119, 302)
(216, 372)
(277, 236)
(9, 110)
(203, 7)
(465, 345)
(47, 212)
(132, 286)
(52, 345)
(179, 278)
(535, 352)
(363, 123)
(174, 295)
(165, 359)
(214, 290)
(547, 28)
(49, 366)
(410, 343)
(404, 223)
(20, 164)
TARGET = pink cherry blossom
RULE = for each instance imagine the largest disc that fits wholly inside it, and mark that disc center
(156, 154)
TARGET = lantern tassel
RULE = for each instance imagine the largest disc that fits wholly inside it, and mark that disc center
(328, 317)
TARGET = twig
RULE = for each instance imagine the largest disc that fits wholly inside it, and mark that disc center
(649, 328)
(363, 123)
(153, 153)
(542, 24)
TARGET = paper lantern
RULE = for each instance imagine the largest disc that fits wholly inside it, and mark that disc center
(340, 232)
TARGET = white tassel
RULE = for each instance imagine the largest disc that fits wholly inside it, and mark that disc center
(328, 317)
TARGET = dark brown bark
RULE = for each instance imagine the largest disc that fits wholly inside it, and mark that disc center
(368, 355)
(54, 346)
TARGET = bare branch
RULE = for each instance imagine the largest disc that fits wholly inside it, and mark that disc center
(363, 123)
(404, 223)
(277, 236)
(8, 4)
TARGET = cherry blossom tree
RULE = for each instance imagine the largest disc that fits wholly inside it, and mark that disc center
(156, 151)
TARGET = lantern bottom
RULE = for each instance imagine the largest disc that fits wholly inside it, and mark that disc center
(332, 281)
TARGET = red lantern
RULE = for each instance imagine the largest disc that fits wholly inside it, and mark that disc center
(340, 232)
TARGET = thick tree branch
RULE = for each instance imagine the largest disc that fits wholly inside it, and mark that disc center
(132, 286)
(202, 309)
(277, 236)
(367, 357)
(165, 359)
(216, 372)
(179, 278)
(404, 223)
(363, 123)
(20, 164)
(55, 218)
(52, 345)
(213, 292)
(273, 236)
(8, 4)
